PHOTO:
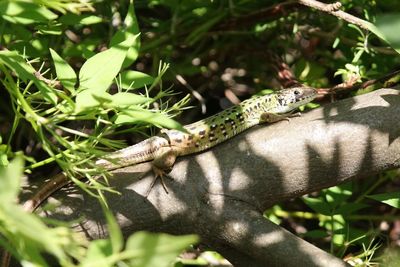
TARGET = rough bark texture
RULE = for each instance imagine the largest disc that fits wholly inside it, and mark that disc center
(220, 194)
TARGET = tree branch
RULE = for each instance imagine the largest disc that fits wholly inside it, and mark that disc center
(221, 194)
(333, 10)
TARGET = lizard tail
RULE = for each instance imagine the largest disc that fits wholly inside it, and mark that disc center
(141, 152)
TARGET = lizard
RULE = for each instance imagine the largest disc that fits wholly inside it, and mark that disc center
(163, 149)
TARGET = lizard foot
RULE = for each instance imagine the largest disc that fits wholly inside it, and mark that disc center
(159, 174)
(272, 117)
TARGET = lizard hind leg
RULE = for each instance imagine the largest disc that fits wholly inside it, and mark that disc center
(162, 164)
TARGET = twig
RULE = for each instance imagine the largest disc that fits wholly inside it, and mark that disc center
(350, 85)
(333, 10)
(52, 83)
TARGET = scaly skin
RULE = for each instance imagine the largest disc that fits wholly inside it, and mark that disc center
(204, 134)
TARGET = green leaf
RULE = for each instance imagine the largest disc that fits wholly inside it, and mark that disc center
(116, 239)
(128, 99)
(10, 180)
(392, 199)
(24, 12)
(84, 19)
(97, 253)
(387, 27)
(89, 99)
(337, 194)
(318, 205)
(131, 29)
(15, 62)
(134, 79)
(141, 115)
(33, 231)
(98, 72)
(25, 72)
(157, 249)
(65, 73)
(52, 29)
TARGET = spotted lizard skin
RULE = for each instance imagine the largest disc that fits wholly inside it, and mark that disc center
(211, 131)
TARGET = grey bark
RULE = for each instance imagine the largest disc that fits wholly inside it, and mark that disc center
(220, 194)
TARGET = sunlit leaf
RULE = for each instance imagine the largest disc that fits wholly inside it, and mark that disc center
(131, 28)
(132, 116)
(84, 19)
(10, 180)
(98, 72)
(165, 247)
(392, 198)
(128, 99)
(134, 79)
(65, 73)
(89, 99)
(97, 253)
(116, 238)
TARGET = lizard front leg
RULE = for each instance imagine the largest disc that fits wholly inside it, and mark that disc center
(273, 117)
(162, 164)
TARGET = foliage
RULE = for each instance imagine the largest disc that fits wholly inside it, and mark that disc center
(26, 236)
(80, 74)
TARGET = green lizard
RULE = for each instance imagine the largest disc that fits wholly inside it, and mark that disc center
(169, 144)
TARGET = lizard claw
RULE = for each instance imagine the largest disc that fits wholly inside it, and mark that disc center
(159, 174)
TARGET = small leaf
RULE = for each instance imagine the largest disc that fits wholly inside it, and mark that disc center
(337, 194)
(128, 99)
(318, 205)
(131, 29)
(65, 73)
(134, 79)
(10, 180)
(157, 249)
(392, 199)
(49, 29)
(88, 99)
(98, 72)
(116, 239)
(158, 119)
(97, 253)
(83, 19)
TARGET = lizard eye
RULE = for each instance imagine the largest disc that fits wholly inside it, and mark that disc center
(296, 92)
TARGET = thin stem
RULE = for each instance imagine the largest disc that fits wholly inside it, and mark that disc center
(333, 10)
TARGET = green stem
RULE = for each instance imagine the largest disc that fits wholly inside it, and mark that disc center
(32, 117)
(381, 179)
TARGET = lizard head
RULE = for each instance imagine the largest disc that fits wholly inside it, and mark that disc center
(292, 98)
